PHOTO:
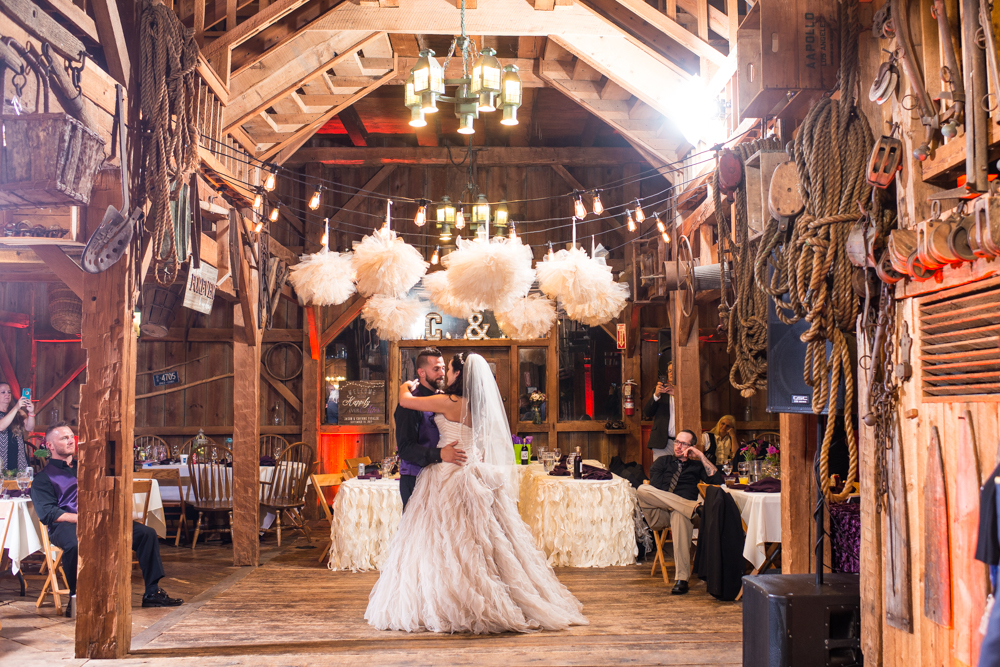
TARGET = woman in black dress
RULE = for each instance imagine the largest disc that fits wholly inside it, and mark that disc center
(17, 419)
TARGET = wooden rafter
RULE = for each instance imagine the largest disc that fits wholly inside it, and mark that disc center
(67, 379)
(490, 157)
(68, 271)
(373, 183)
(253, 26)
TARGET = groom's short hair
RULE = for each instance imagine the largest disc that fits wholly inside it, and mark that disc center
(426, 355)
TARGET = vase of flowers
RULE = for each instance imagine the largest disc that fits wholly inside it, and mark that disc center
(535, 401)
(772, 462)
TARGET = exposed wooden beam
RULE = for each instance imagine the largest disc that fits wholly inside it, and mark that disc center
(567, 177)
(68, 271)
(281, 152)
(373, 183)
(15, 320)
(354, 125)
(69, 377)
(77, 17)
(253, 26)
(8, 372)
(280, 387)
(353, 309)
(109, 29)
(490, 157)
(718, 22)
(40, 23)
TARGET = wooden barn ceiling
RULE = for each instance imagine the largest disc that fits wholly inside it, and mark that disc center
(596, 72)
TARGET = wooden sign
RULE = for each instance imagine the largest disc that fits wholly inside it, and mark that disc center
(199, 293)
(622, 336)
(169, 377)
(362, 402)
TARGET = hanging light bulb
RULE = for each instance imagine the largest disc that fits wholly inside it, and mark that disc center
(460, 218)
(434, 257)
(326, 232)
(659, 223)
(501, 217)
(513, 234)
(258, 199)
(639, 215)
(257, 228)
(421, 217)
(666, 237)
(314, 200)
(578, 207)
(273, 215)
(269, 182)
(550, 253)
(598, 206)
(630, 221)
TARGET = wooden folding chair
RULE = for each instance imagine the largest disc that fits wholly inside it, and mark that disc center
(51, 565)
(352, 466)
(319, 483)
(170, 477)
(659, 537)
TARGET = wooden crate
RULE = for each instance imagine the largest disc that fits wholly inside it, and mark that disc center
(786, 56)
(50, 160)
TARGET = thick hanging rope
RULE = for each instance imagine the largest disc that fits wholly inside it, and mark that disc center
(830, 151)
(746, 320)
(168, 101)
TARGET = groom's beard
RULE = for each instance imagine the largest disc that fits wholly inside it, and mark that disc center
(440, 385)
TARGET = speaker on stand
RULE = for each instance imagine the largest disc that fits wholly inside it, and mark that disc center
(787, 390)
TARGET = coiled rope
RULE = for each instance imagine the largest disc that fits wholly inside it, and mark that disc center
(168, 102)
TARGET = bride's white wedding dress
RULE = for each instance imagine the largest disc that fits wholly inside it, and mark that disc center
(463, 560)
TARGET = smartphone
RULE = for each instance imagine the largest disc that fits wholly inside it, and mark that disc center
(662, 379)
(26, 393)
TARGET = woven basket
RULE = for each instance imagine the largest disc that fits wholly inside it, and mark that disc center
(50, 160)
(65, 309)
(158, 306)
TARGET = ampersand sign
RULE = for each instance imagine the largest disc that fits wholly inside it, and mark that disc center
(476, 329)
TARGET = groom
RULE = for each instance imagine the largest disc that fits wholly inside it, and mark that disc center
(416, 433)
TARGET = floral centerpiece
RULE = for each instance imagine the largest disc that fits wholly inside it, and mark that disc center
(772, 461)
(535, 400)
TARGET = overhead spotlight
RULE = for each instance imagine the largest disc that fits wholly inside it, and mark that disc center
(421, 217)
(598, 206)
(269, 182)
(630, 221)
(434, 257)
(578, 207)
(639, 215)
(314, 200)
(273, 215)
(659, 223)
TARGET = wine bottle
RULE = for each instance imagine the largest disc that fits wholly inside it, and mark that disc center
(578, 464)
(525, 455)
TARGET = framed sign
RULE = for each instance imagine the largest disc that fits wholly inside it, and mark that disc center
(622, 336)
(169, 377)
(199, 293)
(362, 402)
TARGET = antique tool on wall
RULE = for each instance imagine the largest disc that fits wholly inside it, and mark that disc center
(911, 67)
(976, 137)
(684, 274)
(990, 46)
(950, 74)
(885, 82)
(885, 161)
(984, 237)
(937, 543)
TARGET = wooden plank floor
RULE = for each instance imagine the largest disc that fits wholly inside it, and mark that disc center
(290, 611)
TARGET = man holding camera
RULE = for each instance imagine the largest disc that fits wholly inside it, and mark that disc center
(660, 411)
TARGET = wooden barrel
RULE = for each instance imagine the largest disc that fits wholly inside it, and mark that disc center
(65, 309)
(157, 311)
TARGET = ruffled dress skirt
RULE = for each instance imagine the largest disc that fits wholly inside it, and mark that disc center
(464, 561)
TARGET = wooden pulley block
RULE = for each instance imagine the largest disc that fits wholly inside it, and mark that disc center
(885, 271)
(902, 244)
(885, 160)
(932, 244)
(784, 200)
(958, 239)
(916, 270)
(985, 237)
(730, 172)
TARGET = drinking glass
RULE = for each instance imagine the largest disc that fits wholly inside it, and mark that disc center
(24, 479)
(744, 468)
(727, 468)
(387, 468)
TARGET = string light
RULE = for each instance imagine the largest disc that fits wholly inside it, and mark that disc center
(659, 223)
(434, 257)
(579, 209)
(598, 206)
(314, 200)
(513, 234)
(326, 232)
(258, 199)
(550, 254)
(259, 226)
(630, 221)
(666, 237)
(460, 218)
(270, 182)
(273, 215)
(421, 217)
(639, 215)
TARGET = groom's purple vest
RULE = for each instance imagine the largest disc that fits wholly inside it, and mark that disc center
(427, 435)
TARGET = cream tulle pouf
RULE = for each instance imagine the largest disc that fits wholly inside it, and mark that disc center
(584, 286)
(390, 317)
(532, 316)
(387, 265)
(444, 298)
(489, 274)
(324, 278)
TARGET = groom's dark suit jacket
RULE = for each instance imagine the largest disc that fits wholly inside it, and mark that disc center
(416, 437)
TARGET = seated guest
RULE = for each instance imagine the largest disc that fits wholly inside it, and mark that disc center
(53, 493)
(661, 411)
(720, 444)
(671, 498)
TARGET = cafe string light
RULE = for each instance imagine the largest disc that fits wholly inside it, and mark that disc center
(598, 207)
(314, 200)
(324, 278)
(578, 207)
(421, 217)
(385, 264)
(269, 182)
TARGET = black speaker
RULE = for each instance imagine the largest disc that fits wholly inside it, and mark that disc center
(787, 391)
(788, 621)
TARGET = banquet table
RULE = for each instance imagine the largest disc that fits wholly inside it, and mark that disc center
(761, 512)
(580, 522)
(366, 515)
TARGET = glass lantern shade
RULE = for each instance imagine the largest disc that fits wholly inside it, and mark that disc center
(410, 98)
(428, 80)
(500, 218)
(481, 211)
(486, 79)
(445, 212)
(445, 236)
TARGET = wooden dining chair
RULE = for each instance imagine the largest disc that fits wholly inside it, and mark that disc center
(272, 445)
(145, 487)
(189, 446)
(320, 483)
(156, 444)
(31, 445)
(352, 466)
(285, 492)
(52, 568)
(170, 477)
(211, 489)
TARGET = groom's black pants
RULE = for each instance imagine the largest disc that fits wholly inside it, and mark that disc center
(144, 544)
(406, 485)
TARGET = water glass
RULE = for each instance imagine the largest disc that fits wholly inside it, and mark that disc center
(727, 468)
(24, 479)
(744, 468)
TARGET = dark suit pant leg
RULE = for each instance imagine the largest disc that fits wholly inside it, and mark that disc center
(63, 535)
(406, 486)
(146, 546)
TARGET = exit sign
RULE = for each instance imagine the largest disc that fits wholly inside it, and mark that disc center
(622, 337)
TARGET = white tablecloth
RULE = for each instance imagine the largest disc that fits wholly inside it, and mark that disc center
(154, 516)
(762, 514)
(23, 537)
(365, 518)
(578, 522)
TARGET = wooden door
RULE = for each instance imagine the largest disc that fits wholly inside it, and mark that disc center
(499, 360)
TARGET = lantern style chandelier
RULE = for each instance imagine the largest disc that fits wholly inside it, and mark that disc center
(472, 208)
(486, 86)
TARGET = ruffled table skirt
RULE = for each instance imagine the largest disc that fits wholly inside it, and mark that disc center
(365, 518)
(580, 523)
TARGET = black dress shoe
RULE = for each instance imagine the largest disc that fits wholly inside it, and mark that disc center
(680, 588)
(160, 599)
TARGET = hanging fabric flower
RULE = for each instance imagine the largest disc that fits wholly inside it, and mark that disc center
(444, 299)
(490, 274)
(324, 278)
(585, 286)
(392, 318)
(386, 265)
(530, 317)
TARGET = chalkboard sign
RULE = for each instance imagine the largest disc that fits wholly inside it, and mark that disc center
(362, 402)
(170, 377)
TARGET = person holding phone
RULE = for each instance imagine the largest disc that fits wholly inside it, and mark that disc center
(660, 409)
(17, 419)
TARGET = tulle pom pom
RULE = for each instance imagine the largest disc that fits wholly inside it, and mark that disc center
(530, 317)
(386, 265)
(444, 299)
(324, 278)
(391, 318)
(585, 286)
(490, 274)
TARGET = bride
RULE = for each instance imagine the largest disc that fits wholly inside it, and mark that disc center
(463, 560)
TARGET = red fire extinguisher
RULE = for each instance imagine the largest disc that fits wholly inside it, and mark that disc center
(628, 397)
